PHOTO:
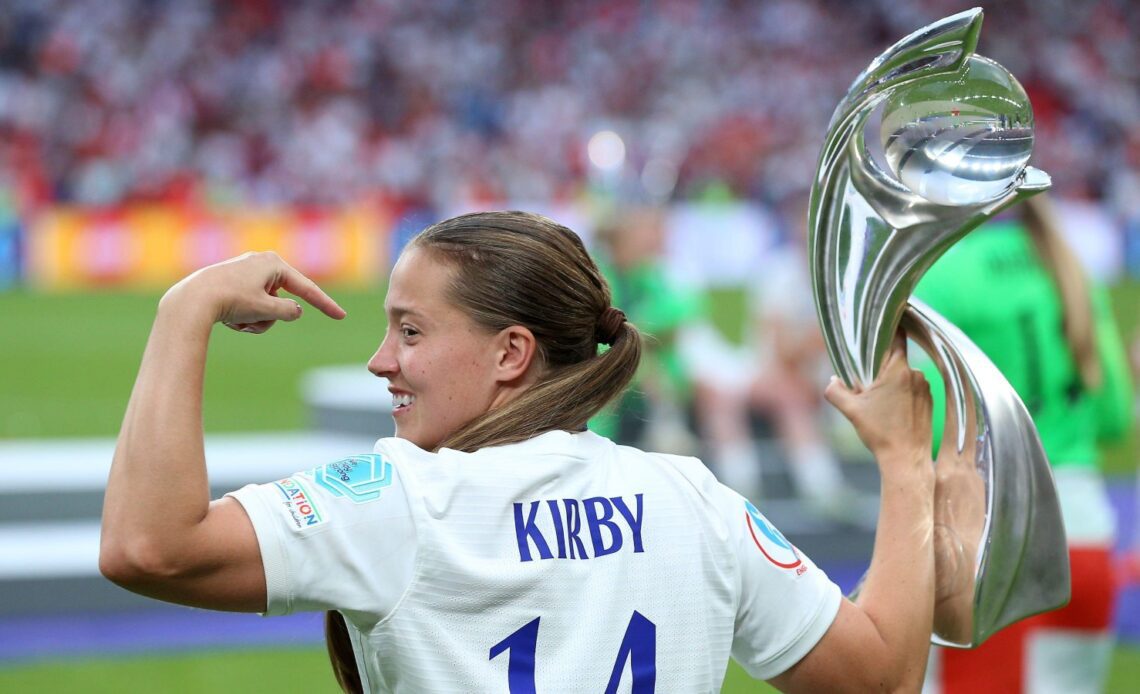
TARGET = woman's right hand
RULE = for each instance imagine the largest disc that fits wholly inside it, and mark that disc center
(242, 292)
(892, 415)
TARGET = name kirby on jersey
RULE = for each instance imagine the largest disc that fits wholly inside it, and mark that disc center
(554, 528)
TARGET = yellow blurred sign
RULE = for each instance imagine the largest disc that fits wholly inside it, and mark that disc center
(153, 245)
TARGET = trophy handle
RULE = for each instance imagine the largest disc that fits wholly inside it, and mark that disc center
(999, 536)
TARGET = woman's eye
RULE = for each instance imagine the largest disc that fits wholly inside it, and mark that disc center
(409, 332)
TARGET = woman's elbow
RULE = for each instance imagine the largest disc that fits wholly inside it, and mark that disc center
(852, 656)
(135, 563)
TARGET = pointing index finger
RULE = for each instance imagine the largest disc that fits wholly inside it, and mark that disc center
(298, 284)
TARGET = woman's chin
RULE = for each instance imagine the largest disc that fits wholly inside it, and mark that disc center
(409, 434)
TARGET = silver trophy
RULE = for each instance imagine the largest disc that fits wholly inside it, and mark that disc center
(952, 133)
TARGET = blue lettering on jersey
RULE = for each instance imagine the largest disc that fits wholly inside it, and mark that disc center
(527, 531)
(599, 511)
(565, 522)
(359, 478)
(559, 535)
(573, 527)
(634, 519)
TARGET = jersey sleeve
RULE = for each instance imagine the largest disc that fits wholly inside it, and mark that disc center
(786, 602)
(339, 536)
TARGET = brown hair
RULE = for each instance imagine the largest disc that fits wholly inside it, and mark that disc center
(518, 268)
(1072, 285)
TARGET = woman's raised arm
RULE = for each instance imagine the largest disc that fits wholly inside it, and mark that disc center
(881, 641)
(161, 534)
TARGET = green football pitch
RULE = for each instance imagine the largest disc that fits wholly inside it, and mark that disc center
(69, 361)
(295, 670)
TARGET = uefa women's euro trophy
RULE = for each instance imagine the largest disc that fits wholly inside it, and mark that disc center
(955, 132)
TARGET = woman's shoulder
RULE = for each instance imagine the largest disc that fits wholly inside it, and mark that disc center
(566, 450)
(689, 471)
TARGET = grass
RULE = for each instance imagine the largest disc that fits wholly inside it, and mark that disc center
(280, 670)
(69, 361)
(295, 670)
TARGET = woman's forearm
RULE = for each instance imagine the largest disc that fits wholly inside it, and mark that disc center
(881, 642)
(162, 536)
(158, 491)
(898, 593)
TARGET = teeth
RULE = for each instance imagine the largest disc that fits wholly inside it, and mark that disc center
(402, 400)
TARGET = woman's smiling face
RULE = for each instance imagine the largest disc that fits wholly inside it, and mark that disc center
(439, 363)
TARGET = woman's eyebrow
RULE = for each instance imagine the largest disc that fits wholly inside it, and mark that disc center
(399, 311)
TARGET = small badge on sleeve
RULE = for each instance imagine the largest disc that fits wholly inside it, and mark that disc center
(771, 542)
(299, 505)
(359, 478)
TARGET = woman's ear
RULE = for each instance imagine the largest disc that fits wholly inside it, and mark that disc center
(517, 348)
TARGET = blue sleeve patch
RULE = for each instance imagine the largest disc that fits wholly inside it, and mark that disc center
(358, 478)
(771, 541)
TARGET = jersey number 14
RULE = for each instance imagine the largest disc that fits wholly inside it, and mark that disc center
(639, 646)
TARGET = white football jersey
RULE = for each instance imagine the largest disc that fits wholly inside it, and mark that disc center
(565, 563)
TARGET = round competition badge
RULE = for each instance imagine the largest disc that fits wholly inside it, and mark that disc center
(774, 545)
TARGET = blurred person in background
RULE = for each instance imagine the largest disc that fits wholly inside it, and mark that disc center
(654, 412)
(1020, 294)
(494, 540)
(777, 374)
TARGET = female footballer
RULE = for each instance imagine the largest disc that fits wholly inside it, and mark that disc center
(495, 544)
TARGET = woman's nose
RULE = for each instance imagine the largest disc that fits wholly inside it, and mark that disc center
(383, 362)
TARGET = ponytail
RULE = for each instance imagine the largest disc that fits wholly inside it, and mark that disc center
(1072, 286)
(565, 400)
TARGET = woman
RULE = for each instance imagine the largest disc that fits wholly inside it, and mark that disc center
(495, 543)
(1053, 336)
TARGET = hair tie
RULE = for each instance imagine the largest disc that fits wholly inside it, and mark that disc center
(609, 326)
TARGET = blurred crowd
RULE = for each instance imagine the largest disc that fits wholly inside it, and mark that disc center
(439, 101)
(437, 105)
